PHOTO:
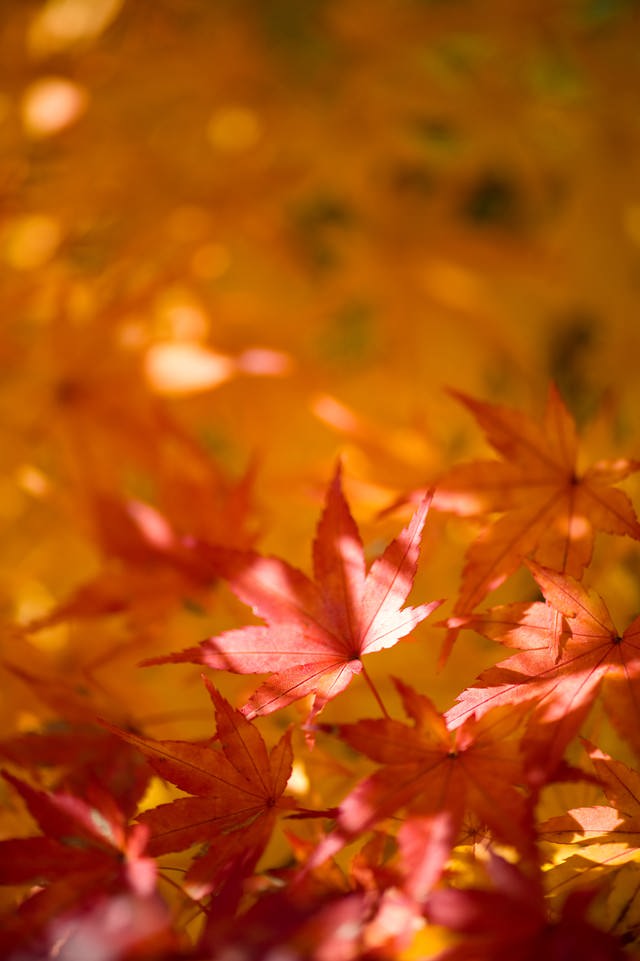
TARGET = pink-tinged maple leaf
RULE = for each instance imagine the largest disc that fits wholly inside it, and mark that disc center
(570, 651)
(316, 631)
(550, 510)
(427, 770)
(236, 797)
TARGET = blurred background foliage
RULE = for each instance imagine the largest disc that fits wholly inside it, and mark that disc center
(241, 238)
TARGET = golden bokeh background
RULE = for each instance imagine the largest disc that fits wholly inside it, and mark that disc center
(241, 238)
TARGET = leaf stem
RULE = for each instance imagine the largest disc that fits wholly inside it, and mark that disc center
(200, 909)
(374, 691)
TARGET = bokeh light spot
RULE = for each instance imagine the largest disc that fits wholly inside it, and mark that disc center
(185, 368)
(52, 104)
(233, 129)
(31, 241)
(62, 23)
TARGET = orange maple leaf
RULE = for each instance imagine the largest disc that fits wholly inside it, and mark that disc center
(148, 567)
(551, 510)
(570, 650)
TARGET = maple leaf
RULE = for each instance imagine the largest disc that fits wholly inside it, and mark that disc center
(326, 913)
(425, 844)
(236, 796)
(147, 567)
(570, 652)
(551, 511)
(85, 753)
(510, 921)
(428, 770)
(317, 631)
(85, 848)
(605, 834)
(290, 924)
(142, 550)
(90, 832)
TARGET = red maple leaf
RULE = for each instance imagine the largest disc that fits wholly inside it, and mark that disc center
(82, 751)
(425, 843)
(85, 834)
(237, 797)
(327, 913)
(427, 770)
(510, 921)
(317, 631)
(570, 651)
(551, 510)
(294, 923)
(86, 849)
(82, 755)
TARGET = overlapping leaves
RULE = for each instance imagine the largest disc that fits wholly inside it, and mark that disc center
(442, 784)
(570, 652)
(551, 510)
(237, 794)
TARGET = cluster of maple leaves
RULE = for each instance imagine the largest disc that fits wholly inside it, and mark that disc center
(442, 847)
(238, 242)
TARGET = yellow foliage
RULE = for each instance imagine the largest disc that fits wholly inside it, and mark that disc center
(240, 240)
